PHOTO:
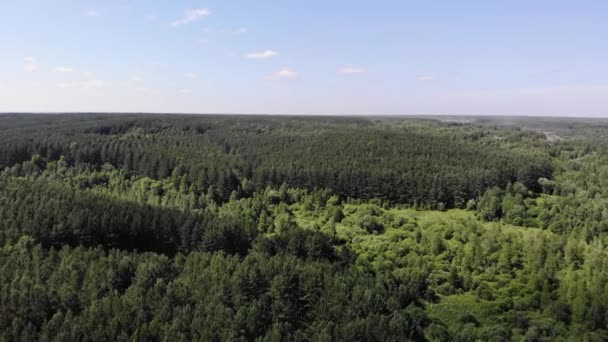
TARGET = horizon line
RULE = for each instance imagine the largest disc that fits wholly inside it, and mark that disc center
(305, 114)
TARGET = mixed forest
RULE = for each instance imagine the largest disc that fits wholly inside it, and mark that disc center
(140, 227)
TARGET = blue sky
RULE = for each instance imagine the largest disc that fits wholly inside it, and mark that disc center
(306, 57)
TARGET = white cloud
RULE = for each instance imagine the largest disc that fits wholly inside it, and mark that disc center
(30, 64)
(556, 92)
(141, 89)
(87, 84)
(209, 30)
(285, 73)
(262, 54)
(191, 75)
(568, 89)
(425, 78)
(93, 84)
(136, 79)
(92, 13)
(191, 16)
(185, 91)
(63, 69)
(471, 94)
(352, 70)
(158, 64)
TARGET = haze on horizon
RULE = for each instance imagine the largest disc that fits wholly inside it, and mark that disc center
(541, 58)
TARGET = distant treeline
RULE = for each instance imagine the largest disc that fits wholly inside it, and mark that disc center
(426, 164)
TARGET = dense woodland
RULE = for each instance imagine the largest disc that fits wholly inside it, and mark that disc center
(187, 227)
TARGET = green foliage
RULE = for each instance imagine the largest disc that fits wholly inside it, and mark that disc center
(157, 227)
(409, 161)
(489, 205)
(371, 224)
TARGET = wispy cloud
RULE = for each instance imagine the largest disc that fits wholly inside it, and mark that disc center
(262, 54)
(352, 70)
(191, 75)
(30, 64)
(87, 84)
(568, 89)
(471, 94)
(425, 78)
(209, 30)
(63, 70)
(92, 13)
(284, 73)
(185, 91)
(143, 90)
(191, 16)
(136, 79)
(93, 84)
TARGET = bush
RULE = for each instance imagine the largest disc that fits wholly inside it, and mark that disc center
(371, 224)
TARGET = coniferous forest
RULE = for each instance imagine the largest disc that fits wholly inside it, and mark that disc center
(140, 227)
